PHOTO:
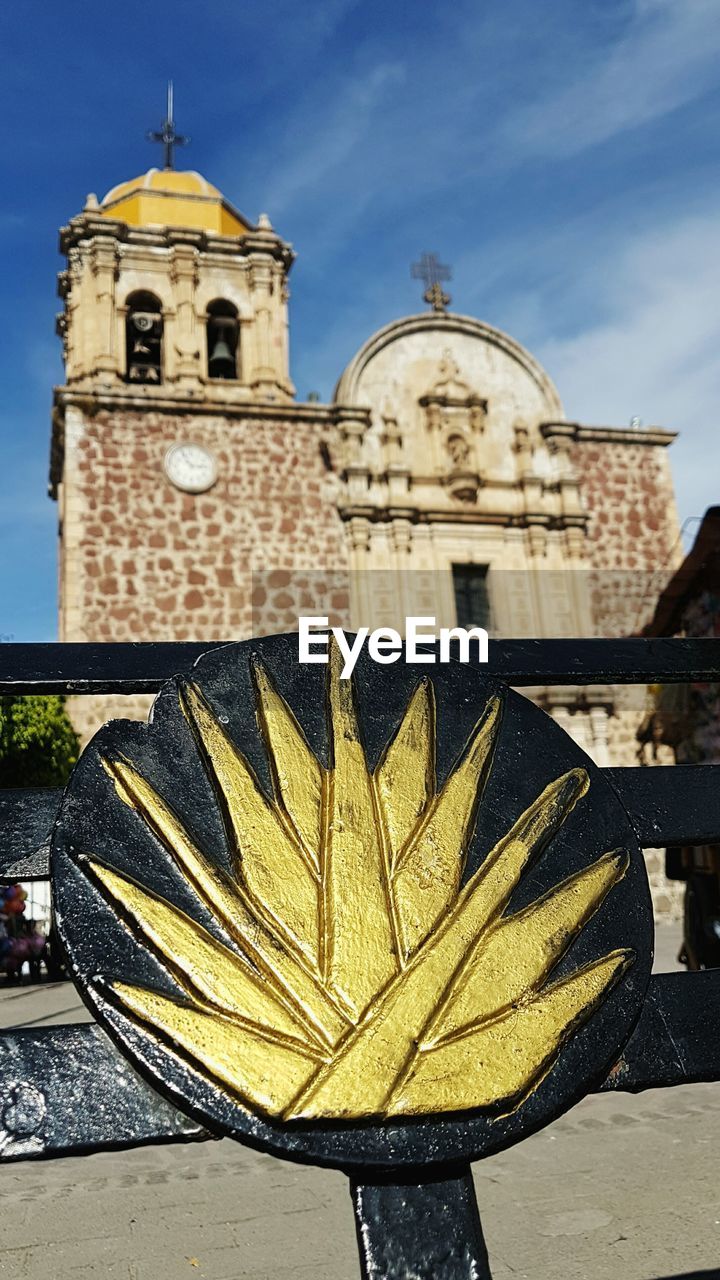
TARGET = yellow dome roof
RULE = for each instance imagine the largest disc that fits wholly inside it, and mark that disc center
(171, 198)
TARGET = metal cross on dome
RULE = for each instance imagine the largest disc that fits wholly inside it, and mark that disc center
(430, 270)
(167, 135)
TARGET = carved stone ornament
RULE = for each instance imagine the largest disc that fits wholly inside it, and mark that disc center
(391, 436)
(451, 401)
(393, 919)
(61, 329)
(455, 416)
(521, 439)
(463, 486)
(458, 448)
(461, 480)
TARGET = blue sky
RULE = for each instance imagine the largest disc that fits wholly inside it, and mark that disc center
(562, 156)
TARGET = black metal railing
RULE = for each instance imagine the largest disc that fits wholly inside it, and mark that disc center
(89, 1099)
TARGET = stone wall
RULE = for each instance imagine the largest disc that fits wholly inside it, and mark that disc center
(634, 547)
(144, 561)
(633, 542)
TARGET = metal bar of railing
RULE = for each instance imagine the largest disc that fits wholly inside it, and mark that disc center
(144, 668)
(73, 1092)
(668, 805)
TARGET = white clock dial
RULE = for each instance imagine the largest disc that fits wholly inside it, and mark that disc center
(191, 467)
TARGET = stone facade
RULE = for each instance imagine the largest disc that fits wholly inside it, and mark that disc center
(184, 270)
(634, 548)
(150, 560)
(447, 466)
(633, 538)
(445, 447)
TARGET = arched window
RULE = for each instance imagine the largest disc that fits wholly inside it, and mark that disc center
(143, 337)
(222, 340)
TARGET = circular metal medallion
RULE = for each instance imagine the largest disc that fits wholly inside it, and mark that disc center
(391, 920)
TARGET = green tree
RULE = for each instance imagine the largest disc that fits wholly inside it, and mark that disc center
(38, 745)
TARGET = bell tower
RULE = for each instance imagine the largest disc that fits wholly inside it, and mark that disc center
(190, 483)
(170, 292)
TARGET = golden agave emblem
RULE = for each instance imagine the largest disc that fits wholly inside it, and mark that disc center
(349, 974)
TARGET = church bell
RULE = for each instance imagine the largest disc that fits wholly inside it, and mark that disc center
(222, 344)
(144, 334)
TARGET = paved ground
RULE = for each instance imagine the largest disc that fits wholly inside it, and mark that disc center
(620, 1187)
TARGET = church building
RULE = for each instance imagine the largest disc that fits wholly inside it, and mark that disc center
(199, 499)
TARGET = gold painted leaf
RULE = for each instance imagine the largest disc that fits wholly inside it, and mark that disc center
(361, 1076)
(517, 955)
(502, 1061)
(201, 964)
(272, 865)
(428, 871)
(263, 941)
(259, 1069)
(362, 943)
(298, 776)
(405, 776)
(212, 885)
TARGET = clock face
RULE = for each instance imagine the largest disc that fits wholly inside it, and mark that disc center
(191, 467)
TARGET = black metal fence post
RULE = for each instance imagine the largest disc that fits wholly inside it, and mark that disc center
(420, 1229)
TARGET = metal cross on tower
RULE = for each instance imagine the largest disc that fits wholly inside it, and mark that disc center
(433, 272)
(167, 135)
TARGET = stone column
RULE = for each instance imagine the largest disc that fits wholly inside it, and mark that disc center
(352, 428)
(397, 470)
(263, 376)
(103, 264)
(281, 331)
(599, 724)
(358, 534)
(560, 437)
(185, 367)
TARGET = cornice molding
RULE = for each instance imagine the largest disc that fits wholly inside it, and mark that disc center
(444, 515)
(580, 434)
(91, 401)
(87, 228)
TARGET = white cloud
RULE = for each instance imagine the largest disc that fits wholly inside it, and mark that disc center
(374, 125)
(666, 57)
(655, 353)
(326, 136)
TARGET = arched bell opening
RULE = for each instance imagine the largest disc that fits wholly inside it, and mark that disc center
(143, 338)
(223, 330)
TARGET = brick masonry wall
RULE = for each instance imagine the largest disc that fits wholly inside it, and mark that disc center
(633, 534)
(142, 560)
(633, 544)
